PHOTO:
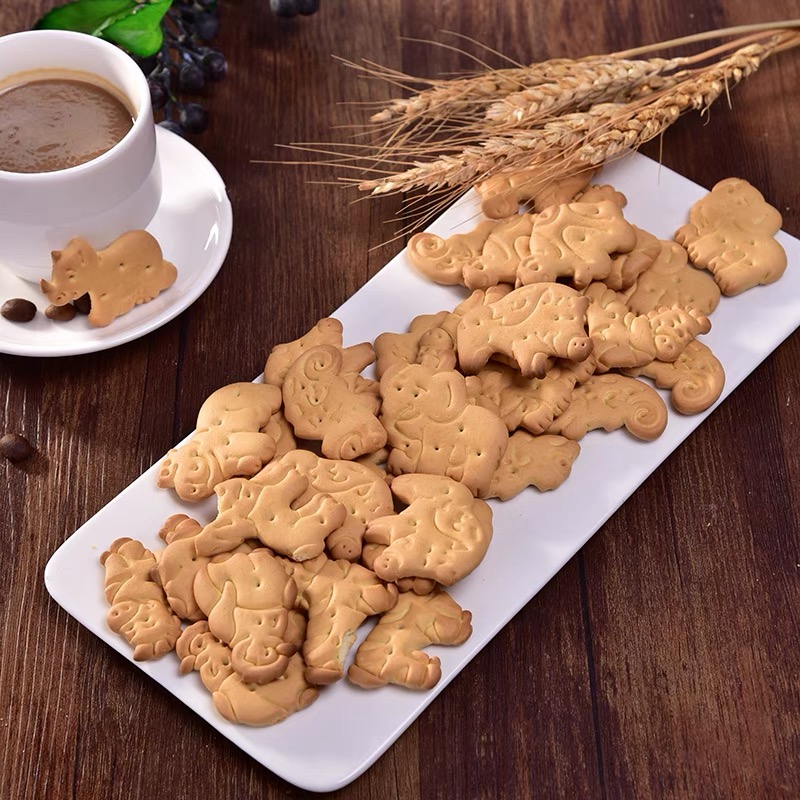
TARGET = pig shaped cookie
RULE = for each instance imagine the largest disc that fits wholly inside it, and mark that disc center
(529, 325)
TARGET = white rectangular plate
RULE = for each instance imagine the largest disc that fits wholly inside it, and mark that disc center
(534, 535)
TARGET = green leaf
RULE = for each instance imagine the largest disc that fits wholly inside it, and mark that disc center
(140, 31)
(86, 16)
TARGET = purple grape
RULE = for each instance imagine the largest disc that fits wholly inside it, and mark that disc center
(215, 66)
(191, 77)
(206, 26)
(172, 126)
(158, 93)
(193, 118)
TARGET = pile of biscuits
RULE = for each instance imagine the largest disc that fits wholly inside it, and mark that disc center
(340, 497)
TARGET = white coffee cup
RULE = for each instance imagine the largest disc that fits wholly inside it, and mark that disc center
(116, 192)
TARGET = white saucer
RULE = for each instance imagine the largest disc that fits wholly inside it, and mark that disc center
(193, 225)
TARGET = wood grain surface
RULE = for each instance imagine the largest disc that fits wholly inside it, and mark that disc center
(661, 662)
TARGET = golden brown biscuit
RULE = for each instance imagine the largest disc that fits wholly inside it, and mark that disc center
(130, 271)
(139, 609)
(731, 233)
(442, 535)
(627, 267)
(282, 356)
(392, 651)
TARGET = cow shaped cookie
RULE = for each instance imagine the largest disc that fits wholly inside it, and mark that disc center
(731, 233)
(487, 255)
(363, 493)
(228, 441)
(610, 402)
(433, 428)
(392, 651)
(279, 507)
(502, 193)
(326, 400)
(541, 461)
(130, 271)
(338, 596)
(670, 281)
(529, 325)
(443, 534)
(625, 339)
(139, 609)
(246, 598)
(282, 356)
(234, 698)
(575, 240)
(530, 403)
(696, 378)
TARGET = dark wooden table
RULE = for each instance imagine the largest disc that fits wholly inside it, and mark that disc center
(661, 662)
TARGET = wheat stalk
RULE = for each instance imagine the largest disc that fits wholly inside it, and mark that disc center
(561, 116)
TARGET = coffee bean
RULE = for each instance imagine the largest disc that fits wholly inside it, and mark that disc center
(15, 447)
(60, 313)
(83, 305)
(18, 310)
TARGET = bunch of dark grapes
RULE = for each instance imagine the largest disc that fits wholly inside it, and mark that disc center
(185, 64)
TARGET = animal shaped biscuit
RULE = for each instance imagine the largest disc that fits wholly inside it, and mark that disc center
(372, 550)
(282, 356)
(228, 441)
(234, 698)
(442, 535)
(530, 324)
(279, 507)
(670, 281)
(541, 461)
(730, 232)
(611, 402)
(392, 651)
(487, 255)
(624, 339)
(130, 271)
(575, 240)
(362, 492)
(403, 348)
(338, 596)
(696, 378)
(626, 267)
(139, 609)
(246, 598)
(530, 403)
(326, 399)
(598, 193)
(502, 193)
(432, 427)
(282, 432)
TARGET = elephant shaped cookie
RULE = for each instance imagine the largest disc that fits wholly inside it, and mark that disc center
(234, 698)
(529, 325)
(575, 240)
(326, 400)
(433, 428)
(247, 598)
(282, 356)
(443, 534)
(130, 271)
(228, 442)
(392, 651)
(139, 609)
(338, 596)
(731, 233)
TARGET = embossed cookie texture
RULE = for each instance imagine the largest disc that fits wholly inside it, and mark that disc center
(731, 233)
(130, 271)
